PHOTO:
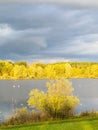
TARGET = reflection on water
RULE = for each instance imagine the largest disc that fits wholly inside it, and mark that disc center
(8, 108)
(88, 104)
(14, 93)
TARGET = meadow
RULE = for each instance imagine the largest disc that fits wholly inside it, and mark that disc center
(73, 124)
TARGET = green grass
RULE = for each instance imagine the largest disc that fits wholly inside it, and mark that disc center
(81, 124)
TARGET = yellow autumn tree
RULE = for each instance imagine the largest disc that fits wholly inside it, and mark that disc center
(57, 101)
(50, 72)
(19, 72)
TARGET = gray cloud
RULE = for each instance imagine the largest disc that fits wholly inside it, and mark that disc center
(21, 42)
(91, 3)
(48, 32)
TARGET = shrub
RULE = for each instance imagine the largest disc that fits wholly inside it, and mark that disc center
(89, 113)
(58, 101)
(23, 116)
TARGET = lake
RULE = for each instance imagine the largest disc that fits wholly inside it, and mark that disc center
(14, 93)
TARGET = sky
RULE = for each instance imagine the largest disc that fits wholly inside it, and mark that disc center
(49, 30)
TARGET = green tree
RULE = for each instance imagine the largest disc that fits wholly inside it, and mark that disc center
(58, 101)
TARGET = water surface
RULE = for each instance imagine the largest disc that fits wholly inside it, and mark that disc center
(14, 93)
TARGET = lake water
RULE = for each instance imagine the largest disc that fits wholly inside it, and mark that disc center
(14, 93)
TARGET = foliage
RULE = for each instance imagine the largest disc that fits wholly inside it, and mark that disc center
(22, 70)
(89, 113)
(23, 116)
(58, 101)
(23, 63)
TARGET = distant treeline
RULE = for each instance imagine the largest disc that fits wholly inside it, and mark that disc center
(22, 70)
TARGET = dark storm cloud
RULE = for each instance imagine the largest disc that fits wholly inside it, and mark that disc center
(43, 31)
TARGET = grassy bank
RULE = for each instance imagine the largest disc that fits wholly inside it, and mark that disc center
(73, 124)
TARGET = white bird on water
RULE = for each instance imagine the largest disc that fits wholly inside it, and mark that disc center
(18, 86)
(13, 86)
